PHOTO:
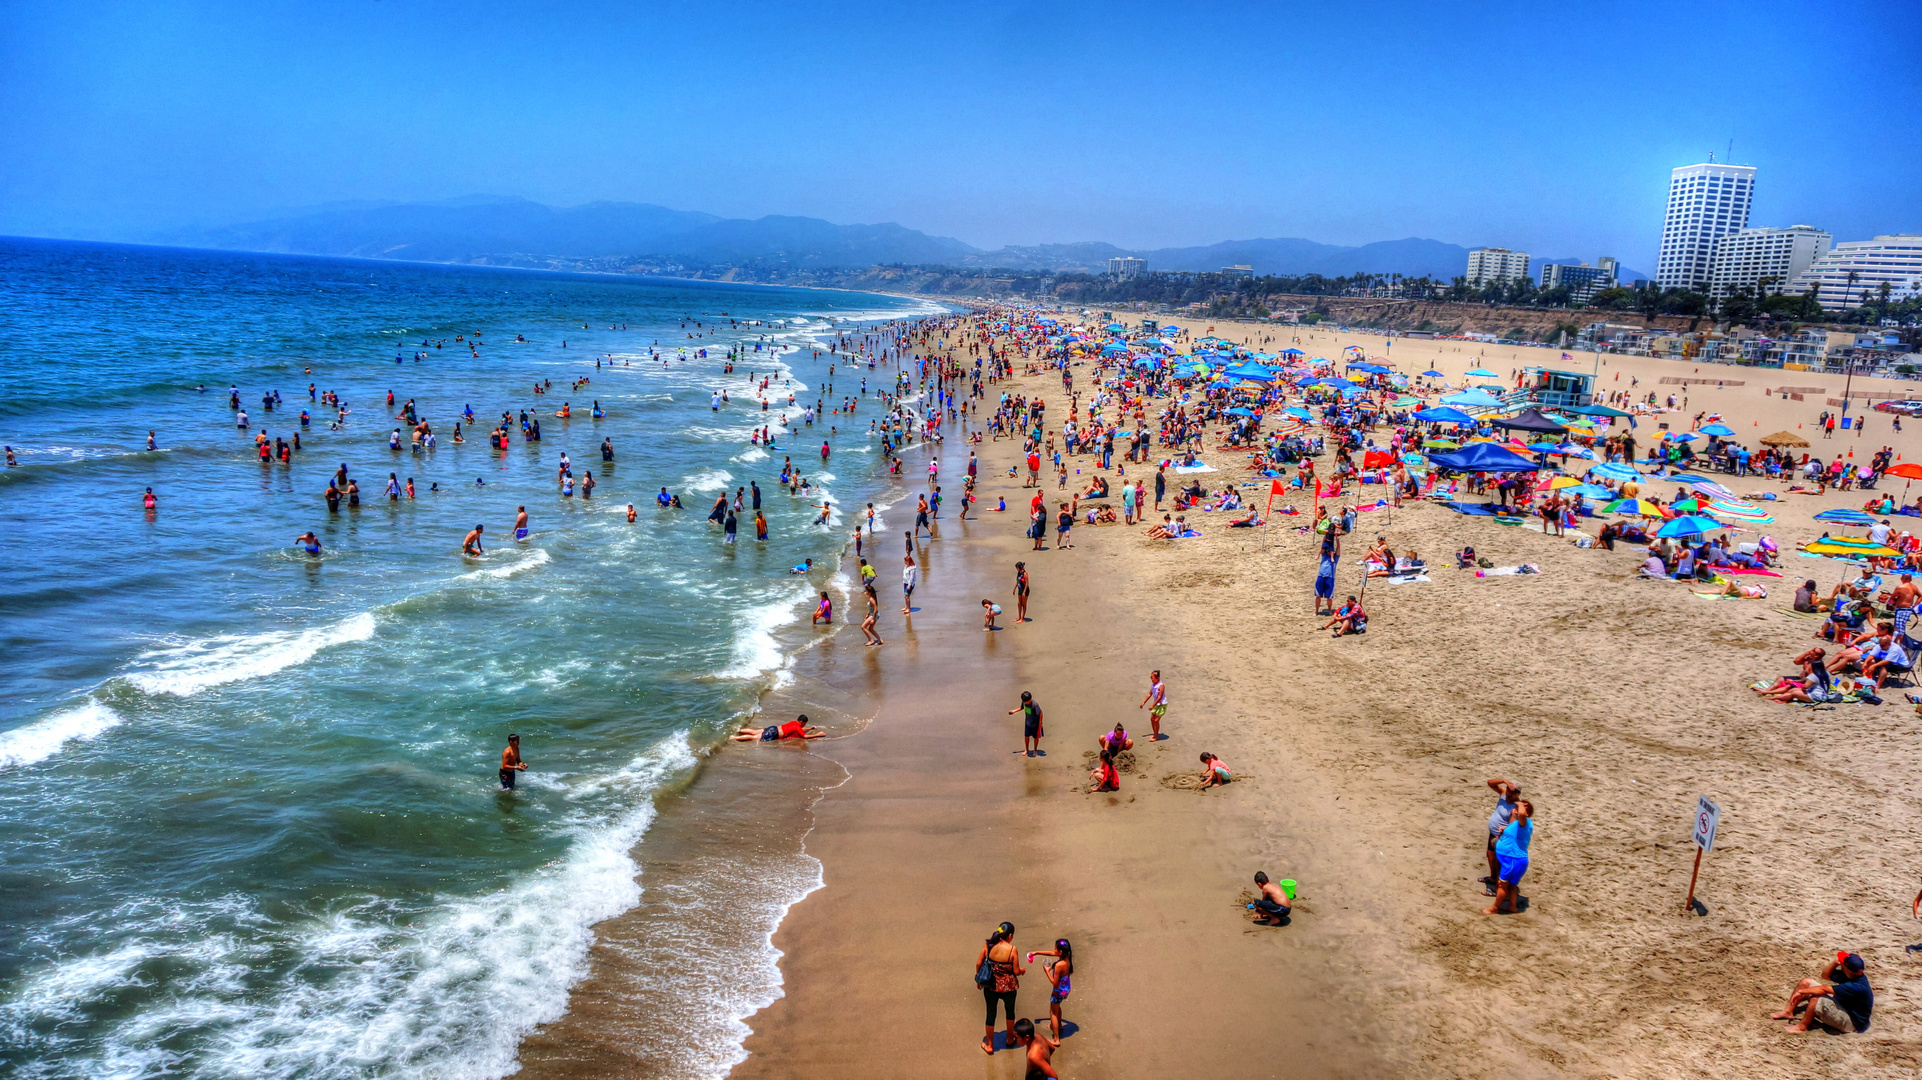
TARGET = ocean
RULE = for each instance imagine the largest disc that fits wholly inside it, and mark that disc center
(250, 799)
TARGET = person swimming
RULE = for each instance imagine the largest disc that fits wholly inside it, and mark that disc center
(308, 542)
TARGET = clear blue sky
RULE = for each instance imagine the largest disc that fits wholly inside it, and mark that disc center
(1546, 130)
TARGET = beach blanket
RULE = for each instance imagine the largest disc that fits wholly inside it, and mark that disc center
(1505, 571)
(1744, 570)
(1406, 580)
(1472, 509)
(1508, 519)
(1194, 468)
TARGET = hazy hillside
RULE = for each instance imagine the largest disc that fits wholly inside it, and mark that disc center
(491, 228)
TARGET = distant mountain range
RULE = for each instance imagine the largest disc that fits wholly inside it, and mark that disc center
(482, 228)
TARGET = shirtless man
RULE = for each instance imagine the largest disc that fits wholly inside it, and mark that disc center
(1902, 601)
(308, 542)
(472, 544)
(1272, 907)
(511, 763)
(1041, 1050)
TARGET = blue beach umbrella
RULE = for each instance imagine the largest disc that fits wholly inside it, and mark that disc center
(1720, 431)
(1615, 470)
(1433, 374)
(1691, 525)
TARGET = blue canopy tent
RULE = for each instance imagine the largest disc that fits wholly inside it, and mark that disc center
(1443, 415)
(1372, 369)
(1293, 352)
(1473, 399)
(1483, 457)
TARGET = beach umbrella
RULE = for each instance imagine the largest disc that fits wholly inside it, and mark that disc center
(1405, 402)
(1338, 384)
(1742, 512)
(1472, 399)
(1907, 470)
(1483, 373)
(1595, 492)
(1720, 431)
(1433, 374)
(1240, 411)
(1633, 506)
(1596, 410)
(1544, 447)
(1564, 482)
(1484, 457)
(1441, 444)
(1849, 547)
(1615, 470)
(1690, 525)
(1845, 516)
(1783, 438)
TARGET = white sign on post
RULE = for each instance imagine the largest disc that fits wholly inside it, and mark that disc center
(1707, 816)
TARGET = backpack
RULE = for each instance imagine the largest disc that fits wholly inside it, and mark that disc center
(984, 975)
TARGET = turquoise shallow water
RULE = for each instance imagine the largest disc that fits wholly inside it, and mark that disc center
(253, 823)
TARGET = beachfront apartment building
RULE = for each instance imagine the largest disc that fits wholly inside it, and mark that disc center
(1763, 261)
(1239, 270)
(1487, 265)
(1851, 273)
(1126, 266)
(1705, 202)
(1583, 281)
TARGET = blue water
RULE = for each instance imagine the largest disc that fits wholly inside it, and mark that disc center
(253, 824)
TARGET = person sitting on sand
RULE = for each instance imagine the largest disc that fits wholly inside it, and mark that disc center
(1805, 598)
(1097, 488)
(1214, 771)
(797, 728)
(1884, 657)
(1163, 531)
(1104, 774)
(1348, 619)
(1653, 567)
(1272, 907)
(1839, 999)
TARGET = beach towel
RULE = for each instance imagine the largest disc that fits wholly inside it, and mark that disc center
(1406, 580)
(1472, 509)
(1194, 468)
(1505, 571)
(1504, 519)
(1794, 614)
(1745, 570)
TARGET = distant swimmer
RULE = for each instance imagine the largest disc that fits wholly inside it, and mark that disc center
(520, 523)
(308, 542)
(566, 411)
(472, 544)
(511, 762)
(12, 462)
(630, 513)
(146, 500)
(151, 445)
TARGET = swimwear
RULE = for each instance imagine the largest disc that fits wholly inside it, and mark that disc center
(520, 533)
(771, 733)
(1060, 992)
(507, 779)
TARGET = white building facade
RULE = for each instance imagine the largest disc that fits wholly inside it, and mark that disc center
(1762, 260)
(1127, 266)
(1705, 202)
(1496, 264)
(1852, 273)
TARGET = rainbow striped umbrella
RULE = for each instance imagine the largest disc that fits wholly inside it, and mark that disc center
(1633, 506)
(1747, 513)
(1850, 547)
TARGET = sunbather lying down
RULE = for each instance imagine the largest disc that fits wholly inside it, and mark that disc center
(1744, 591)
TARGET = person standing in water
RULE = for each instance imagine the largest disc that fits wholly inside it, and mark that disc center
(511, 763)
(308, 542)
(520, 523)
(148, 501)
(472, 544)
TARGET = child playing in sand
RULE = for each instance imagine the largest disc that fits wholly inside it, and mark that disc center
(989, 609)
(1273, 906)
(1214, 772)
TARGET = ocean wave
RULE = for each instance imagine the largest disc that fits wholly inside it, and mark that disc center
(707, 480)
(447, 993)
(538, 557)
(753, 453)
(756, 651)
(43, 738)
(185, 670)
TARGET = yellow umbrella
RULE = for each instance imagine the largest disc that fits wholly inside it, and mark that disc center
(1564, 482)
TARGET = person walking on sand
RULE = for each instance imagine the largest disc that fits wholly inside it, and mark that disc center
(1506, 796)
(998, 971)
(511, 764)
(1158, 698)
(1511, 849)
(910, 577)
(873, 615)
(1030, 724)
(1020, 592)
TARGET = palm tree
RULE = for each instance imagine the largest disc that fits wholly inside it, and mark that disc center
(1848, 296)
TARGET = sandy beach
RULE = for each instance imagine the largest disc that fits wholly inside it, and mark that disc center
(1361, 766)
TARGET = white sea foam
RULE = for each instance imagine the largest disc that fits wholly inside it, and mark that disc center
(43, 738)
(538, 557)
(447, 994)
(185, 670)
(753, 453)
(707, 480)
(756, 652)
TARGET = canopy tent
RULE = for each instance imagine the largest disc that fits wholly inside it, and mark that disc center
(1372, 369)
(1432, 374)
(1483, 457)
(1530, 420)
(1482, 373)
(1474, 399)
(1594, 410)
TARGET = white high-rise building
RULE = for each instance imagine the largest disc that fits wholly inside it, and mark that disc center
(1126, 266)
(1745, 259)
(1895, 259)
(1704, 202)
(1496, 264)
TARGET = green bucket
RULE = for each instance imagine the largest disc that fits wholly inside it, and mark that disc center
(1288, 887)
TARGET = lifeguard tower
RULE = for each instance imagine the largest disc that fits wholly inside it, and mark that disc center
(1557, 389)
